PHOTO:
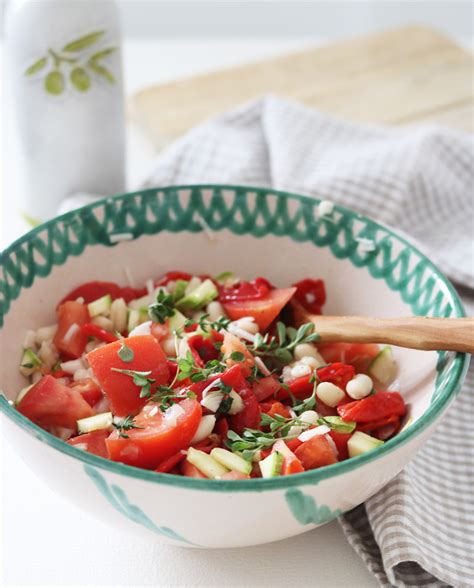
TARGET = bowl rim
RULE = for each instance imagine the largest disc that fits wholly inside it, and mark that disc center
(311, 477)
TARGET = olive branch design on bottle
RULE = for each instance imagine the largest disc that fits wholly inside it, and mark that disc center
(78, 66)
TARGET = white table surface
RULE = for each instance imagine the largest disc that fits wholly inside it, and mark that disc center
(45, 541)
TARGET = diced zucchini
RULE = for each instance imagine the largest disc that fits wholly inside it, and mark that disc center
(179, 289)
(177, 321)
(134, 319)
(231, 460)
(199, 297)
(101, 306)
(383, 367)
(23, 392)
(143, 302)
(95, 423)
(271, 465)
(361, 443)
(205, 463)
(30, 362)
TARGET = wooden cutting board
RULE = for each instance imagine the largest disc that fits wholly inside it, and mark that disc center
(398, 77)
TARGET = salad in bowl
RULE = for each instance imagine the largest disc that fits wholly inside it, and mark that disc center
(201, 376)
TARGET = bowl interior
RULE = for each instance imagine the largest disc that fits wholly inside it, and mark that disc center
(368, 269)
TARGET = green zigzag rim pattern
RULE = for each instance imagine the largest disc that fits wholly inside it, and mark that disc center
(243, 211)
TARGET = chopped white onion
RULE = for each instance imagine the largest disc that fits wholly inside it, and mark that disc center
(325, 208)
(330, 440)
(172, 413)
(214, 384)
(213, 400)
(237, 403)
(241, 333)
(143, 329)
(29, 342)
(70, 332)
(72, 366)
(205, 428)
(262, 367)
(310, 433)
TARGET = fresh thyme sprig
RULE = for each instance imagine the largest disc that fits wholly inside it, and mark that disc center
(280, 348)
(126, 424)
(162, 308)
(140, 379)
(167, 396)
(206, 325)
(187, 368)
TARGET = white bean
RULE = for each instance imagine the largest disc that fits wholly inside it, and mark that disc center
(308, 350)
(299, 370)
(118, 314)
(309, 416)
(311, 361)
(329, 393)
(215, 310)
(360, 386)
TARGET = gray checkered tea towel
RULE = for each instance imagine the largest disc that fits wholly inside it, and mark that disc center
(419, 530)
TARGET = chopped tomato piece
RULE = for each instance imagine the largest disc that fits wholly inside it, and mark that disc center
(91, 291)
(291, 463)
(254, 290)
(264, 310)
(97, 332)
(169, 463)
(173, 276)
(340, 440)
(266, 387)
(311, 294)
(52, 404)
(233, 475)
(207, 445)
(158, 438)
(202, 349)
(299, 388)
(336, 373)
(359, 355)
(92, 442)
(316, 453)
(249, 416)
(373, 408)
(69, 338)
(378, 424)
(293, 443)
(191, 471)
(273, 408)
(89, 390)
(233, 344)
(222, 428)
(123, 394)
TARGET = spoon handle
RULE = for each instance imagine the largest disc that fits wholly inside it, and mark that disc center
(454, 334)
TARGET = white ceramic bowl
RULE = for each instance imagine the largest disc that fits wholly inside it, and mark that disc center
(368, 269)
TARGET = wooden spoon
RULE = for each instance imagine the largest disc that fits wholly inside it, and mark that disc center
(414, 332)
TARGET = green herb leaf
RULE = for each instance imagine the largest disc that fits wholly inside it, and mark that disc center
(337, 424)
(126, 425)
(83, 42)
(225, 405)
(125, 353)
(36, 66)
(162, 308)
(140, 379)
(54, 83)
(80, 79)
(237, 356)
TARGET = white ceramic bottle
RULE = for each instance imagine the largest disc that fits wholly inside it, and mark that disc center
(64, 73)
